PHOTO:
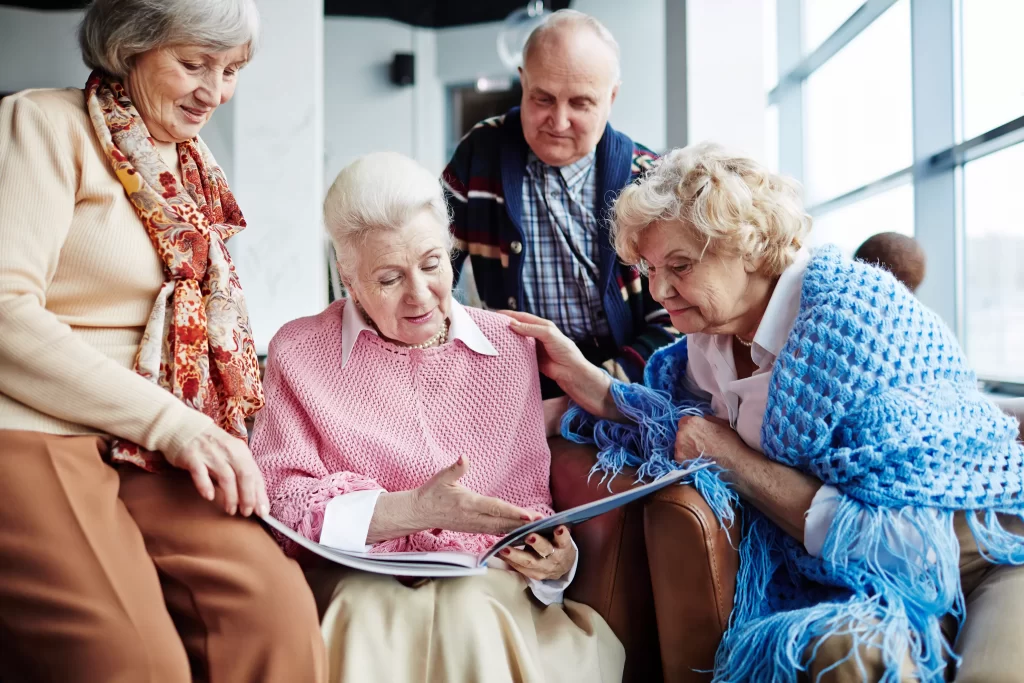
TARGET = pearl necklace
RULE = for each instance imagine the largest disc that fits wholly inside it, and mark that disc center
(437, 339)
(743, 341)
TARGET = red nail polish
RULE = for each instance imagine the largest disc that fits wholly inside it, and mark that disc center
(531, 540)
(560, 531)
(505, 551)
(528, 518)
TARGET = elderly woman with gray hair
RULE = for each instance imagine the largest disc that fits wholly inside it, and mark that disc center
(127, 371)
(397, 420)
(881, 492)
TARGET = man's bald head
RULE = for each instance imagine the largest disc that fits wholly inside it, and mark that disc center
(570, 77)
(900, 255)
(563, 28)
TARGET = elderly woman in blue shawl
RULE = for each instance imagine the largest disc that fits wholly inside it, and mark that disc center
(880, 492)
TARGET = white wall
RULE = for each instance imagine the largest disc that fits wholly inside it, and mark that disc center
(725, 74)
(279, 169)
(465, 53)
(40, 50)
(363, 111)
(639, 27)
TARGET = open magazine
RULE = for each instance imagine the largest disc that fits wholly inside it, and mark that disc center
(445, 564)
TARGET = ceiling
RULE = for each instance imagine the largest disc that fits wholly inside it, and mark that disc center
(427, 13)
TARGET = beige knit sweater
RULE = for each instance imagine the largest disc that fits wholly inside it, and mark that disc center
(78, 278)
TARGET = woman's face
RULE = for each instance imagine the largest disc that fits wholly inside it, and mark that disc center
(175, 89)
(403, 279)
(702, 292)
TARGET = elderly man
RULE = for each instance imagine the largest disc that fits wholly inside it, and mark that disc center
(531, 193)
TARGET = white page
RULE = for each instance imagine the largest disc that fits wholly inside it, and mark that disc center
(367, 563)
(443, 564)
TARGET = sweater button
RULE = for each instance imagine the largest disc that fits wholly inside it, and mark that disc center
(512, 303)
(516, 247)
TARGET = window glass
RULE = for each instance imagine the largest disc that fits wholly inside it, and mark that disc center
(994, 267)
(858, 110)
(849, 226)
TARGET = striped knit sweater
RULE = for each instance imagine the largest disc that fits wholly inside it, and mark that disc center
(484, 185)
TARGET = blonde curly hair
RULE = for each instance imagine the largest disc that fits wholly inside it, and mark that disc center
(731, 203)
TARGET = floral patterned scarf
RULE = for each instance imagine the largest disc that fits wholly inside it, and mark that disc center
(197, 343)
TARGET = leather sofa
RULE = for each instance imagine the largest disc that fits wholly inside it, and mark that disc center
(661, 571)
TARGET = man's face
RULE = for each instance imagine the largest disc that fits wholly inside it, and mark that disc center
(568, 89)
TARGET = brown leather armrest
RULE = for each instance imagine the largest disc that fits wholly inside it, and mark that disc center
(612, 575)
(693, 571)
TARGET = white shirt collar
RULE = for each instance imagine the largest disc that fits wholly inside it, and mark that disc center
(780, 315)
(463, 328)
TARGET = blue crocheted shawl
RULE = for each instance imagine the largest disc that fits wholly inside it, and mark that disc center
(870, 394)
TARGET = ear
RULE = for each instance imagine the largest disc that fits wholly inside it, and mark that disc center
(752, 264)
(349, 291)
(615, 91)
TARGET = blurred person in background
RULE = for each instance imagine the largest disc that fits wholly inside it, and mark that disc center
(899, 254)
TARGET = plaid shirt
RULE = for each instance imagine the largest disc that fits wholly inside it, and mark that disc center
(561, 252)
(485, 187)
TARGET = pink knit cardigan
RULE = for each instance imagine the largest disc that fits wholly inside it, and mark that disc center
(393, 417)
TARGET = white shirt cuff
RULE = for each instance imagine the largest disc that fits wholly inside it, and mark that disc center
(819, 518)
(347, 520)
(550, 591)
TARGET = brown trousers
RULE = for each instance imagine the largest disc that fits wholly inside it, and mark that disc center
(991, 641)
(122, 576)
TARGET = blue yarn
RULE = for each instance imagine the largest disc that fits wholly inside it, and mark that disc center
(647, 442)
(872, 395)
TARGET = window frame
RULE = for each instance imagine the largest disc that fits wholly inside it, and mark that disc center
(938, 159)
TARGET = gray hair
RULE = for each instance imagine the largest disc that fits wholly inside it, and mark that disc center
(380, 191)
(570, 20)
(727, 201)
(114, 32)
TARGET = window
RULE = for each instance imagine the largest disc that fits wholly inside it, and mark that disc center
(858, 110)
(994, 267)
(771, 44)
(917, 127)
(771, 137)
(993, 52)
(822, 17)
(848, 226)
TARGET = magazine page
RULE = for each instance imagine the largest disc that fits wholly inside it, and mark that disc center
(445, 564)
(370, 562)
(582, 513)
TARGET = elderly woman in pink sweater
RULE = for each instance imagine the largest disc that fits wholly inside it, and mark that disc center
(399, 420)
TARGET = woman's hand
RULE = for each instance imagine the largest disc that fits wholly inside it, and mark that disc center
(443, 503)
(557, 356)
(782, 493)
(542, 559)
(710, 436)
(222, 468)
(561, 360)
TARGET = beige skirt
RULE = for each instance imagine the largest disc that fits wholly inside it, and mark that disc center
(478, 629)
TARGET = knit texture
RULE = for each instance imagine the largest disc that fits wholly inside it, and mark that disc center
(872, 395)
(393, 417)
(78, 278)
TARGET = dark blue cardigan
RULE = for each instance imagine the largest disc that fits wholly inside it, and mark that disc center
(484, 184)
